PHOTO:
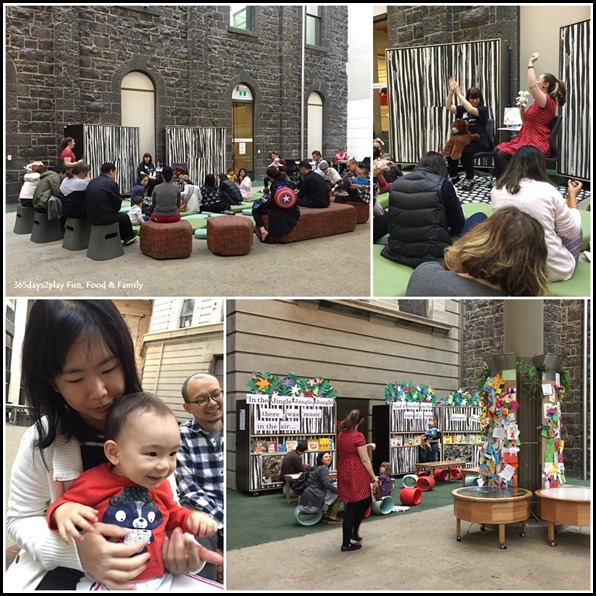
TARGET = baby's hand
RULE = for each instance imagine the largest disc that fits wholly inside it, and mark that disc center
(72, 519)
(201, 524)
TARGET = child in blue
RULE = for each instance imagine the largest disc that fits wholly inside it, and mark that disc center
(433, 439)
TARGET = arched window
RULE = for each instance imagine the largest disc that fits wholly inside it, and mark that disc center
(242, 129)
(138, 108)
(315, 123)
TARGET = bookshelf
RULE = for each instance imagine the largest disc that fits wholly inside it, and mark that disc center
(397, 430)
(267, 427)
(461, 434)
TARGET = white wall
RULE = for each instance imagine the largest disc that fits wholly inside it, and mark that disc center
(359, 71)
(539, 30)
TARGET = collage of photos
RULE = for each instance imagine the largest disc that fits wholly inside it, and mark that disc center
(298, 297)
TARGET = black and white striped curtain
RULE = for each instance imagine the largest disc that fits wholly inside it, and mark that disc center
(576, 135)
(116, 144)
(202, 149)
(418, 83)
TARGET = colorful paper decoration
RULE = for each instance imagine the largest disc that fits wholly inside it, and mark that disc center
(265, 383)
(464, 396)
(499, 455)
(553, 468)
(408, 392)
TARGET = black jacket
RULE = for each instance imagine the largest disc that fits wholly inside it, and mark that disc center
(418, 226)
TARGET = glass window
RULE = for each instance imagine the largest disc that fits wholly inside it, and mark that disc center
(188, 307)
(413, 307)
(242, 16)
(314, 18)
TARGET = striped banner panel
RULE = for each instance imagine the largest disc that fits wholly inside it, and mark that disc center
(202, 149)
(418, 84)
(576, 131)
(116, 144)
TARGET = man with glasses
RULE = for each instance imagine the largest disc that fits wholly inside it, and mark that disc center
(200, 460)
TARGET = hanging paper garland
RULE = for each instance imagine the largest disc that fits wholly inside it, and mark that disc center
(409, 393)
(264, 383)
(464, 396)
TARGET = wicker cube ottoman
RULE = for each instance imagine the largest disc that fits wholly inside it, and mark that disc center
(229, 236)
(362, 210)
(166, 240)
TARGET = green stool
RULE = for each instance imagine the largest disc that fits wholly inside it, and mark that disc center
(471, 208)
(577, 286)
(389, 278)
(586, 223)
(307, 519)
(197, 221)
(383, 200)
(241, 207)
(201, 233)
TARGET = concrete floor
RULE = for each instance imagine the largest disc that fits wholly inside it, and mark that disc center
(418, 553)
(335, 266)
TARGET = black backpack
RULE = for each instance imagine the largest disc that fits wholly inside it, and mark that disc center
(300, 483)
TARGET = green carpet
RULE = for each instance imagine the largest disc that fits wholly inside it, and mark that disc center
(253, 520)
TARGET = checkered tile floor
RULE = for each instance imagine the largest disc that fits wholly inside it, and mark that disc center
(483, 184)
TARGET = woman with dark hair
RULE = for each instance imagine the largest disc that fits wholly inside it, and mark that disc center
(320, 492)
(475, 113)
(67, 156)
(547, 92)
(244, 183)
(526, 185)
(78, 357)
(165, 199)
(355, 474)
(424, 214)
(212, 200)
(73, 191)
(505, 255)
(148, 168)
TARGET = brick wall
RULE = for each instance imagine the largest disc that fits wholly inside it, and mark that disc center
(64, 65)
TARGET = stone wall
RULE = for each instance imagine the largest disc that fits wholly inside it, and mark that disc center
(65, 64)
(483, 335)
(430, 25)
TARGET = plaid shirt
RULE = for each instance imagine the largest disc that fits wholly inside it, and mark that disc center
(200, 470)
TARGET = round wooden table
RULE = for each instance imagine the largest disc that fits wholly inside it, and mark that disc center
(487, 505)
(564, 505)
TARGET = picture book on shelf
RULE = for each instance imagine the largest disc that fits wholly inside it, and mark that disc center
(313, 445)
(291, 444)
(324, 444)
(282, 448)
(271, 446)
(260, 446)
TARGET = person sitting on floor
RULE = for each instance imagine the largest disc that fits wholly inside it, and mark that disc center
(229, 191)
(505, 255)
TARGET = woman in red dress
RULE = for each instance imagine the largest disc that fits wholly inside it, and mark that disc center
(67, 155)
(535, 130)
(354, 476)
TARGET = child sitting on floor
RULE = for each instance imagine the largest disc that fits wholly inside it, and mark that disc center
(136, 211)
